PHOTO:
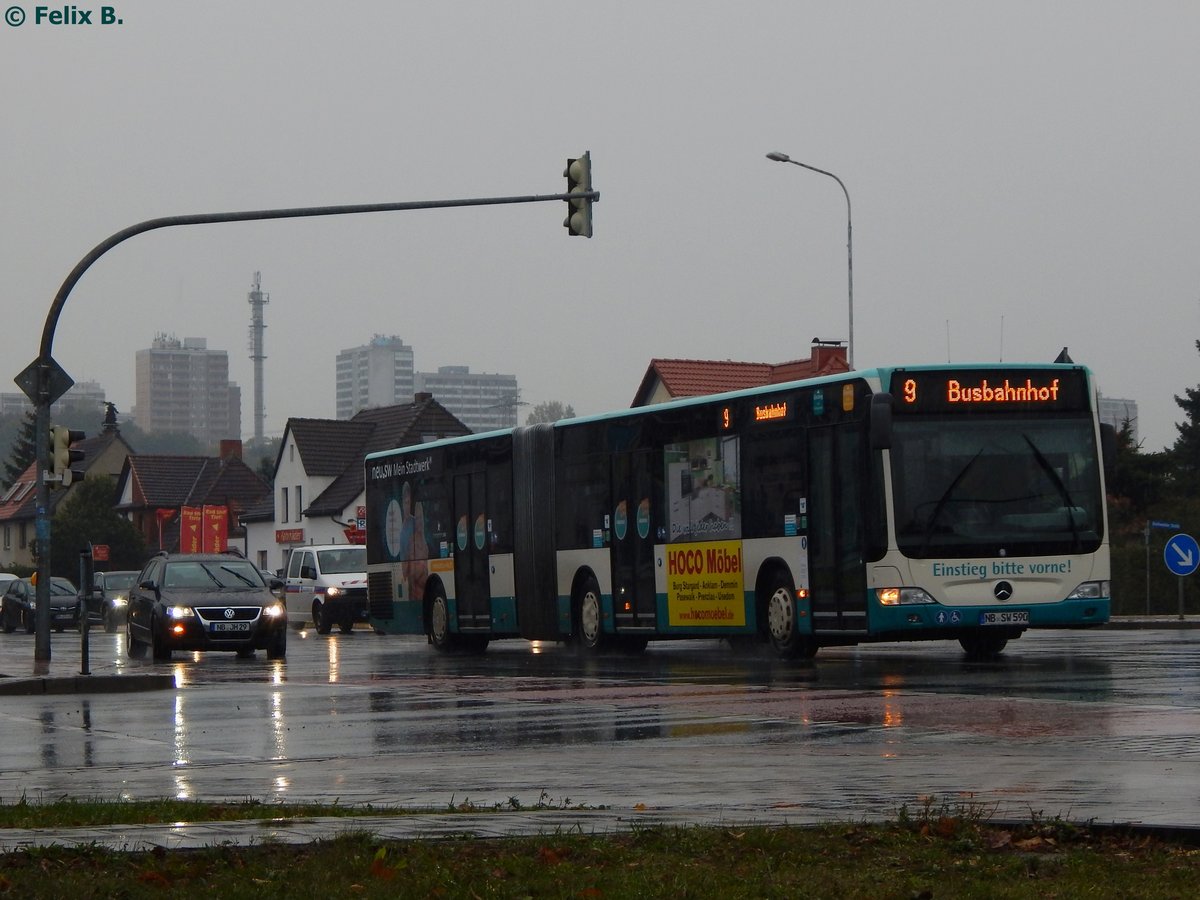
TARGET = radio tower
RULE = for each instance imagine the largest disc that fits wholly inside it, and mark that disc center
(257, 301)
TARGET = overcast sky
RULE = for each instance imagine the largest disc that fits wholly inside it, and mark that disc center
(1023, 177)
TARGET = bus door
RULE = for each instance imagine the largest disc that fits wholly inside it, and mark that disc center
(835, 532)
(472, 586)
(632, 547)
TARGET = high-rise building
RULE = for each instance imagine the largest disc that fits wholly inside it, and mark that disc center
(183, 387)
(1116, 412)
(481, 401)
(377, 374)
(383, 373)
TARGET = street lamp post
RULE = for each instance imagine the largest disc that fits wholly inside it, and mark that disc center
(783, 157)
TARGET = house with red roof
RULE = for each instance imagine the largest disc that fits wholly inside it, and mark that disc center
(103, 454)
(158, 493)
(671, 379)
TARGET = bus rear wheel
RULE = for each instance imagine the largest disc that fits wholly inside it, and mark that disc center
(589, 628)
(437, 622)
(783, 627)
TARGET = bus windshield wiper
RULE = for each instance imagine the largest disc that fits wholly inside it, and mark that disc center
(1057, 481)
(944, 499)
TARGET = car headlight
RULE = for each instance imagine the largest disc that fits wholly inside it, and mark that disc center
(1091, 590)
(274, 611)
(903, 596)
(333, 592)
(119, 600)
(180, 612)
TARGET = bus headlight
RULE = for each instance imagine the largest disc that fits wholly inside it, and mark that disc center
(1091, 590)
(903, 596)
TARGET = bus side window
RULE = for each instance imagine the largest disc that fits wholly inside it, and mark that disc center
(773, 480)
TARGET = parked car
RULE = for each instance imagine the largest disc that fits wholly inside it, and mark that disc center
(210, 601)
(17, 605)
(110, 596)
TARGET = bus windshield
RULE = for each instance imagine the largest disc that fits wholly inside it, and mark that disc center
(1002, 486)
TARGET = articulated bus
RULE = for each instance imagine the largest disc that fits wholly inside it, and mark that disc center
(934, 502)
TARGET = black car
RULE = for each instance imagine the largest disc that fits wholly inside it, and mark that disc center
(204, 601)
(17, 605)
(110, 597)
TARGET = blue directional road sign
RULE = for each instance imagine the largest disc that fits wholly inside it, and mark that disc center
(1182, 554)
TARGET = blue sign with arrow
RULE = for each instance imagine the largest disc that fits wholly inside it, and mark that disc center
(1182, 554)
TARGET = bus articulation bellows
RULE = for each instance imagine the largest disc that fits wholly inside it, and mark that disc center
(931, 502)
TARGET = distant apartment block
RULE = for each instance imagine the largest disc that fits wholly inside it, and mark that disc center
(383, 373)
(377, 374)
(1116, 413)
(480, 401)
(182, 387)
(83, 395)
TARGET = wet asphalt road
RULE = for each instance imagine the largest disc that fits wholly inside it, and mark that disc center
(1101, 725)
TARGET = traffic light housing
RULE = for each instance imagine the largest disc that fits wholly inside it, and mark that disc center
(579, 209)
(62, 457)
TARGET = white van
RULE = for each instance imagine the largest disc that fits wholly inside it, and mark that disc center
(328, 581)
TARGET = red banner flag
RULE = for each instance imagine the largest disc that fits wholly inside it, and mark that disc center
(189, 529)
(216, 529)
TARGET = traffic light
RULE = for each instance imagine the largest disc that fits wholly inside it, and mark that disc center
(62, 457)
(579, 209)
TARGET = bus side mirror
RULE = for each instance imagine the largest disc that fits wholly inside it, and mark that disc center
(881, 421)
(1108, 449)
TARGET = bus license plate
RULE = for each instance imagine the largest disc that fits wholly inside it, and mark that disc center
(1013, 617)
(230, 626)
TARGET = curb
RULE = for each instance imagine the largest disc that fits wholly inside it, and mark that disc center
(85, 684)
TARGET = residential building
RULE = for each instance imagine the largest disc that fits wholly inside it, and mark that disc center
(670, 379)
(319, 495)
(376, 374)
(481, 401)
(183, 387)
(103, 454)
(154, 491)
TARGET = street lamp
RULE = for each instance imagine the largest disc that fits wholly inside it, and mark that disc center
(783, 157)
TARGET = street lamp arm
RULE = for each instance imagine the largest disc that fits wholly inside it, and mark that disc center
(783, 157)
(258, 215)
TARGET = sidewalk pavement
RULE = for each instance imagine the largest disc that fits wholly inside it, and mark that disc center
(85, 684)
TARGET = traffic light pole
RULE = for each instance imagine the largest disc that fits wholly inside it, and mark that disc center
(45, 371)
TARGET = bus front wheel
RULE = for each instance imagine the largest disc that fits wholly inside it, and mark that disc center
(983, 646)
(783, 626)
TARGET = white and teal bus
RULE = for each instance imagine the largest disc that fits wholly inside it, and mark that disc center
(896, 504)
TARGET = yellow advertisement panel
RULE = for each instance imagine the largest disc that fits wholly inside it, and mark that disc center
(706, 584)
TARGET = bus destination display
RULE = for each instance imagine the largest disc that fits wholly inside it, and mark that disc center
(994, 390)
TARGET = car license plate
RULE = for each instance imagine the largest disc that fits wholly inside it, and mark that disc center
(1008, 617)
(225, 627)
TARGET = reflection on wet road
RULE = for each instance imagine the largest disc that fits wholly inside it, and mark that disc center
(1102, 725)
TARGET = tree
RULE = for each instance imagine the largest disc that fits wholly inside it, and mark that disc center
(87, 515)
(23, 449)
(261, 457)
(550, 411)
(1137, 487)
(1185, 455)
